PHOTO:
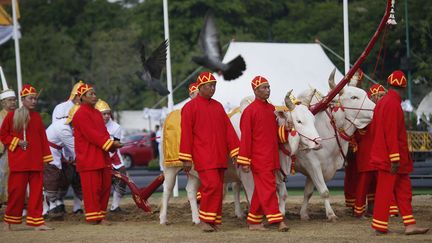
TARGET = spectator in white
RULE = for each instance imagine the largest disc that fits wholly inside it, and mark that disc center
(115, 132)
(61, 172)
(61, 111)
(8, 101)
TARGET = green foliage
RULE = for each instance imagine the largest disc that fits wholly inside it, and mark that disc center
(98, 41)
(153, 164)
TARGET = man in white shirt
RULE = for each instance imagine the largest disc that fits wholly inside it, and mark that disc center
(115, 132)
(61, 172)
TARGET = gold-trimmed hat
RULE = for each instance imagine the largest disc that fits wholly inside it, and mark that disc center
(397, 79)
(83, 88)
(102, 106)
(27, 89)
(74, 91)
(258, 81)
(205, 77)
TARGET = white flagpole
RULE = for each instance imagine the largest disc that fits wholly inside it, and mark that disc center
(346, 36)
(168, 72)
(17, 50)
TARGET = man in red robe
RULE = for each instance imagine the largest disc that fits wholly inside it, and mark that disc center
(207, 139)
(259, 150)
(366, 178)
(23, 133)
(390, 156)
(92, 144)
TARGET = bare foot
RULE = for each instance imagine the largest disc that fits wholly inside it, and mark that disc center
(257, 227)
(7, 227)
(206, 227)
(363, 217)
(215, 227)
(413, 229)
(43, 228)
(105, 222)
(283, 227)
(379, 233)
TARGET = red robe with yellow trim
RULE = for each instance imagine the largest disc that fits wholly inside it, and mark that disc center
(259, 137)
(37, 150)
(390, 137)
(92, 140)
(365, 143)
(207, 135)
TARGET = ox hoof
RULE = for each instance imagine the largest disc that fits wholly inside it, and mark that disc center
(305, 217)
(332, 218)
(165, 223)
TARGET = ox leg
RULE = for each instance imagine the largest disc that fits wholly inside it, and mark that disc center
(168, 185)
(325, 195)
(236, 187)
(281, 192)
(282, 196)
(192, 189)
(308, 191)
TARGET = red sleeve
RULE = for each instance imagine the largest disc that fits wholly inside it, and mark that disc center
(47, 156)
(245, 153)
(391, 130)
(233, 141)
(6, 136)
(93, 132)
(186, 140)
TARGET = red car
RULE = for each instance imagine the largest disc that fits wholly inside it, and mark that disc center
(137, 150)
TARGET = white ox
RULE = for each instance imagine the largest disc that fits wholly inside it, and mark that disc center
(303, 121)
(321, 165)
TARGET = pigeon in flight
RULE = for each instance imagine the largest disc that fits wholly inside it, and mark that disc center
(152, 68)
(212, 59)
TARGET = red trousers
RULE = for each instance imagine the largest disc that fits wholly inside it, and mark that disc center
(264, 199)
(96, 188)
(366, 189)
(366, 183)
(211, 195)
(350, 185)
(388, 185)
(17, 186)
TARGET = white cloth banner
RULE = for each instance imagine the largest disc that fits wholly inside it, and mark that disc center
(6, 33)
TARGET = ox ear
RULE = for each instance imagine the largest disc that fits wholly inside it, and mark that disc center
(331, 80)
(354, 81)
(280, 114)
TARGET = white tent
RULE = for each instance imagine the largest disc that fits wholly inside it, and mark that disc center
(286, 66)
(425, 107)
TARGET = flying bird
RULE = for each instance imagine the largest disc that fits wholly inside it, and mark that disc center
(152, 68)
(212, 59)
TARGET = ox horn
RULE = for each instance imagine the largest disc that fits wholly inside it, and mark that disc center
(309, 98)
(331, 80)
(288, 101)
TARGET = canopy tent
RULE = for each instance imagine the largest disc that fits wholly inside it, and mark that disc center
(287, 66)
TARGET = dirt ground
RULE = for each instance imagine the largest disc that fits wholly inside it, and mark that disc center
(138, 226)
